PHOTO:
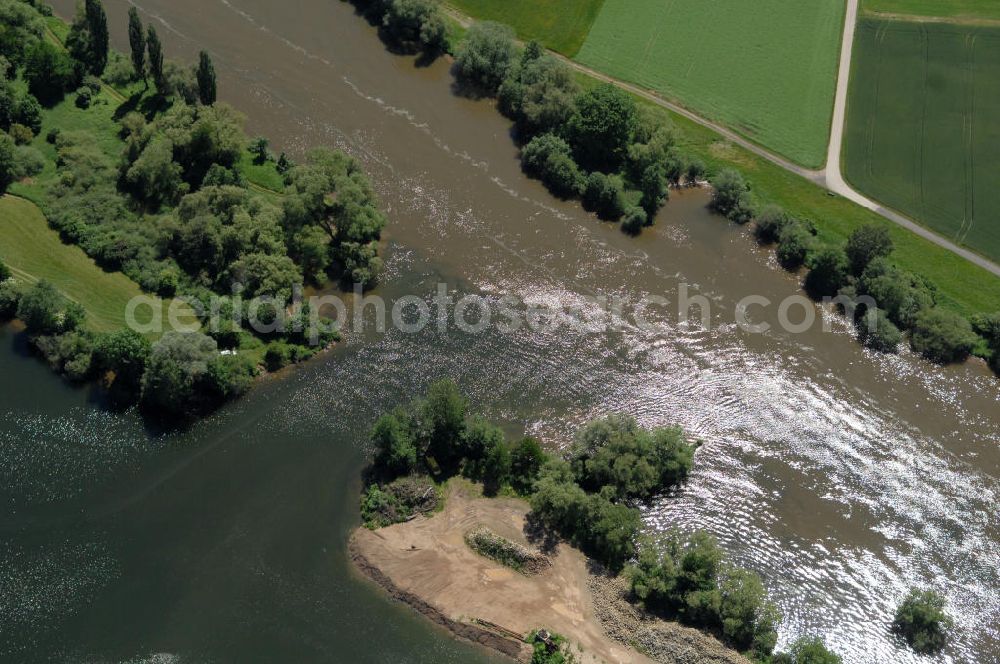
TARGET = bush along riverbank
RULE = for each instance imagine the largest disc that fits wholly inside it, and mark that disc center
(588, 497)
(133, 160)
(595, 142)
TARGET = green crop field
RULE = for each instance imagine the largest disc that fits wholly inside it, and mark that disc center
(561, 25)
(34, 252)
(962, 9)
(923, 127)
(766, 68)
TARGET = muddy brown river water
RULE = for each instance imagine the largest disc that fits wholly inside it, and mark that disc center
(841, 476)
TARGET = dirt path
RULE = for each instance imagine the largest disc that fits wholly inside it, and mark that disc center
(429, 566)
(830, 177)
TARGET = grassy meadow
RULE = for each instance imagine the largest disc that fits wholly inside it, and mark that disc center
(923, 129)
(561, 25)
(34, 252)
(957, 9)
(767, 68)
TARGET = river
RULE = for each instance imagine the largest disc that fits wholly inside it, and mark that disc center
(841, 476)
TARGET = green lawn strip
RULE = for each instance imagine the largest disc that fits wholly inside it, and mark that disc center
(958, 9)
(963, 286)
(34, 252)
(561, 25)
(767, 69)
(922, 131)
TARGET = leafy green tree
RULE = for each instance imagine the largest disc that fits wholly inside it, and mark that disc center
(44, 311)
(28, 112)
(867, 244)
(538, 94)
(496, 466)
(526, 461)
(155, 52)
(602, 127)
(828, 272)
(206, 79)
(443, 412)
(902, 295)
(653, 186)
(125, 354)
(731, 196)
(807, 650)
(770, 222)
(877, 332)
(48, 72)
(549, 158)
(9, 166)
(634, 219)
(178, 363)
(486, 56)
(260, 150)
(615, 452)
(605, 195)
(921, 620)
(155, 177)
(942, 336)
(5, 272)
(749, 620)
(228, 377)
(97, 26)
(415, 25)
(137, 43)
(11, 292)
(395, 444)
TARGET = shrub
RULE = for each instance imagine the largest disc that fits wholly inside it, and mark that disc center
(922, 621)
(942, 336)
(549, 158)
(877, 332)
(807, 650)
(770, 222)
(634, 220)
(605, 195)
(538, 94)
(501, 550)
(794, 245)
(22, 135)
(9, 165)
(486, 56)
(10, 295)
(395, 444)
(277, 356)
(44, 311)
(731, 194)
(901, 294)
(415, 25)
(397, 501)
(84, 97)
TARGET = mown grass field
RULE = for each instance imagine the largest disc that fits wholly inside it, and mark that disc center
(561, 25)
(766, 68)
(34, 252)
(923, 128)
(960, 9)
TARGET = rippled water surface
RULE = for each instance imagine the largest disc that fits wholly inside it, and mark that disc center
(841, 476)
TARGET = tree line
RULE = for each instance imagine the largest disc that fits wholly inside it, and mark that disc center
(858, 272)
(173, 211)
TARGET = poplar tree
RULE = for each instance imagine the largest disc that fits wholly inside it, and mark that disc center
(155, 50)
(137, 41)
(97, 25)
(206, 79)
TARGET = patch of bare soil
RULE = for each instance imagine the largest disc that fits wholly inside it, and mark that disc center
(427, 564)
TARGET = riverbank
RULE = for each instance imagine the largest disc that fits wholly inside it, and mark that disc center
(426, 564)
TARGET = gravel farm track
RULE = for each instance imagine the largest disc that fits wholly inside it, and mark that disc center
(831, 177)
